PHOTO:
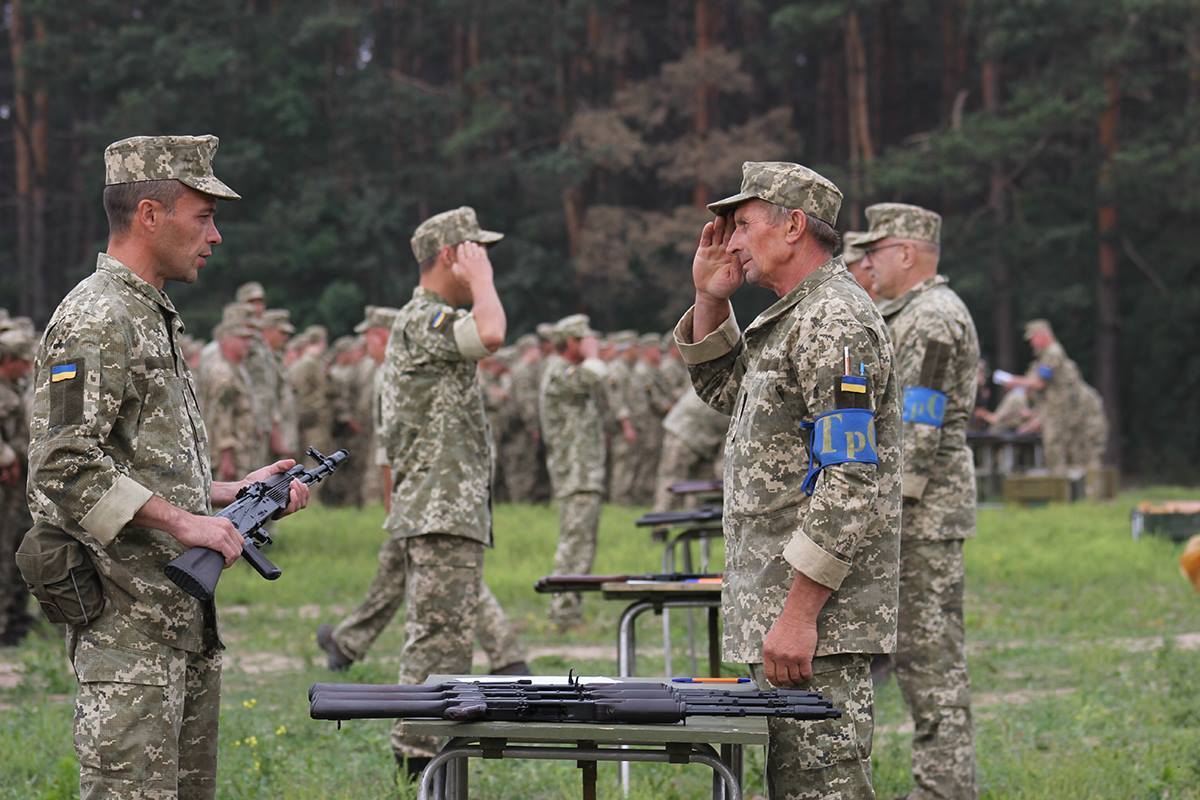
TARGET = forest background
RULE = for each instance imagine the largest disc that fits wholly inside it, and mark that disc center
(1060, 139)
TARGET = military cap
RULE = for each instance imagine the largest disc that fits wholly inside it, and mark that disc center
(1037, 326)
(506, 355)
(279, 318)
(851, 252)
(18, 324)
(314, 334)
(650, 340)
(623, 339)
(448, 229)
(342, 344)
(787, 185)
(525, 341)
(545, 330)
(187, 159)
(377, 317)
(18, 343)
(576, 326)
(903, 222)
(233, 328)
(241, 314)
(250, 291)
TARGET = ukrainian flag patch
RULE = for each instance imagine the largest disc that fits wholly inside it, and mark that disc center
(63, 372)
(438, 319)
(853, 383)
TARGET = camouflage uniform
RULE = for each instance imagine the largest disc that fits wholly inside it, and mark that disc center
(936, 348)
(364, 411)
(574, 436)
(620, 404)
(1010, 414)
(15, 618)
(1074, 428)
(230, 413)
(283, 400)
(314, 414)
(692, 437)
(653, 400)
(782, 372)
(523, 466)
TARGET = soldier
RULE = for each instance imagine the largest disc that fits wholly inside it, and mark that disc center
(937, 357)
(852, 254)
(348, 429)
(673, 368)
(574, 436)
(16, 359)
(277, 329)
(692, 438)
(252, 294)
(1070, 412)
(435, 431)
(374, 331)
(314, 413)
(523, 466)
(620, 403)
(229, 409)
(119, 461)
(497, 404)
(812, 510)
(654, 400)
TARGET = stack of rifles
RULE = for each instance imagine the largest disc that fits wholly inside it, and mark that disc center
(629, 702)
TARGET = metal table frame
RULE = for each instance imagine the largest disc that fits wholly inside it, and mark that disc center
(683, 541)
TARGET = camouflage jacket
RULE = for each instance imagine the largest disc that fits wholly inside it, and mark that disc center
(14, 425)
(936, 348)
(262, 380)
(121, 426)
(433, 423)
(1063, 383)
(780, 373)
(654, 395)
(618, 389)
(229, 414)
(310, 386)
(701, 428)
(525, 376)
(571, 425)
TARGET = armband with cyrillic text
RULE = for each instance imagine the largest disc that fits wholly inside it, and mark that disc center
(841, 436)
(923, 406)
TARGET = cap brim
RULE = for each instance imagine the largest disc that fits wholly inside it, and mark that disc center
(211, 186)
(729, 203)
(488, 237)
(870, 237)
(361, 327)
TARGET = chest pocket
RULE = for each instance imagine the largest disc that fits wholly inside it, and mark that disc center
(768, 409)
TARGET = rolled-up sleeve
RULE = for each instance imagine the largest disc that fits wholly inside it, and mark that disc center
(714, 363)
(716, 344)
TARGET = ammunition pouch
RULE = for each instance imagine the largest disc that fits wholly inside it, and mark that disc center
(59, 572)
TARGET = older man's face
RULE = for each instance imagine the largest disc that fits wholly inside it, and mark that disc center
(758, 242)
(884, 261)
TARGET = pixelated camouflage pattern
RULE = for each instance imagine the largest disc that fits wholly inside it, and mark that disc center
(679, 461)
(1010, 413)
(314, 411)
(15, 618)
(788, 185)
(828, 759)
(575, 326)
(140, 418)
(578, 521)
(264, 374)
(901, 221)
(447, 229)
(1074, 428)
(572, 427)
(931, 668)
(444, 574)
(523, 467)
(939, 468)
(495, 632)
(187, 159)
(145, 715)
(676, 375)
(251, 290)
(780, 374)
(851, 251)
(18, 343)
(652, 399)
(365, 402)
(623, 456)
(230, 415)
(434, 426)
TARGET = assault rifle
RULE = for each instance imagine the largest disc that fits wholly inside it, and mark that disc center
(696, 487)
(554, 584)
(198, 570)
(628, 703)
(660, 519)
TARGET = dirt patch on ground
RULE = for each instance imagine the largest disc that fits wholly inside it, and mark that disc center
(260, 663)
(10, 674)
(1019, 697)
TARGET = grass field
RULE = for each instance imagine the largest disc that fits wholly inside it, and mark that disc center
(1084, 655)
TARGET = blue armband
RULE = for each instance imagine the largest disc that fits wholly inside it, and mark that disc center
(839, 436)
(924, 406)
(1045, 373)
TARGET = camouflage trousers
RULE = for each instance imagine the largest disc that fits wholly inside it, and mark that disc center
(358, 631)
(622, 469)
(829, 759)
(443, 575)
(521, 466)
(15, 618)
(649, 451)
(931, 668)
(1074, 441)
(578, 520)
(678, 462)
(145, 715)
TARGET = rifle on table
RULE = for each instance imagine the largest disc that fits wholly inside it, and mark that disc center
(626, 703)
(660, 519)
(197, 570)
(695, 487)
(555, 584)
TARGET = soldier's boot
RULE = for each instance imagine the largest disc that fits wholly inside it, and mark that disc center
(335, 658)
(515, 668)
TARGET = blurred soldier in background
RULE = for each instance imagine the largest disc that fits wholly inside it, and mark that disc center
(692, 437)
(374, 329)
(574, 435)
(277, 329)
(523, 466)
(234, 437)
(620, 401)
(349, 430)
(937, 366)
(651, 400)
(17, 350)
(314, 414)
(673, 368)
(852, 254)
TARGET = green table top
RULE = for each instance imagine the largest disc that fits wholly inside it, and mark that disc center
(713, 730)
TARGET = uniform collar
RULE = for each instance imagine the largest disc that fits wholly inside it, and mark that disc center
(890, 307)
(826, 272)
(430, 296)
(142, 290)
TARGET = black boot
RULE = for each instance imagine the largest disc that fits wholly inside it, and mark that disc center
(335, 659)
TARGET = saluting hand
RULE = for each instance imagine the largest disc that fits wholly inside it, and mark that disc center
(716, 272)
(471, 263)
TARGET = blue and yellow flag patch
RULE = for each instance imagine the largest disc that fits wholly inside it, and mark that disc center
(63, 372)
(853, 383)
(438, 319)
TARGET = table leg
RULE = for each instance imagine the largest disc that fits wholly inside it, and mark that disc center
(668, 566)
(714, 643)
(433, 788)
(726, 784)
(686, 541)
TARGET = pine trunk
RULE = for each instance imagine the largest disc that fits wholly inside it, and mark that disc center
(1107, 290)
(1000, 275)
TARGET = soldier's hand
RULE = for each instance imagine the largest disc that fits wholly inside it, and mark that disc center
(628, 431)
(788, 650)
(215, 533)
(471, 263)
(227, 468)
(589, 347)
(716, 272)
(298, 497)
